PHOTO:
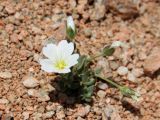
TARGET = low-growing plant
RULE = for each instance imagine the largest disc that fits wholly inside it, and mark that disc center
(76, 75)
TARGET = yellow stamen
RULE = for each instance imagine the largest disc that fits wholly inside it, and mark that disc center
(60, 64)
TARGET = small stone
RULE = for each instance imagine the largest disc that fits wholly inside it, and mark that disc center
(1, 8)
(72, 3)
(122, 70)
(87, 32)
(5, 75)
(30, 82)
(60, 114)
(10, 9)
(83, 111)
(101, 94)
(138, 72)
(43, 95)
(37, 116)
(25, 115)
(48, 115)
(102, 86)
(36, 30)
(4, 101)
(142, 56)
(79, 118)
(152, 63)
(98, 12)
(113, 65)
(32, 92)
(131, 77)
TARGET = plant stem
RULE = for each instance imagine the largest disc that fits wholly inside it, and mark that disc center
(109, 81)
(93, 57)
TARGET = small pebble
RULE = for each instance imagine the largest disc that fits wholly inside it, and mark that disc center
(5, 75)
(4, 101)
(122, 70)
(101, 94)
(131, 77)
(102, 86)
(25, 115)
(60, 114)
(30, 82)
(113, 65)
(48, 115)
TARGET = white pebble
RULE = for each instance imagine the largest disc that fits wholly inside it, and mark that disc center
(5, 75)
(122, 70)
(30, 82)
(131, 77)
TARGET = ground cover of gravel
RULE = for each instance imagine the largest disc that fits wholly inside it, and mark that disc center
(26, 26)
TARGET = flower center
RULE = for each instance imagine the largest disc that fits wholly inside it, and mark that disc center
(60, 64)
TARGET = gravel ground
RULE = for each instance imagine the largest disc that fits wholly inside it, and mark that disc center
(27, 25)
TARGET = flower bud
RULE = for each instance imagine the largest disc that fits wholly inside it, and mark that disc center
(70, 28)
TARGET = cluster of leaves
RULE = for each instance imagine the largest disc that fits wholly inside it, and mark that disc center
(81, 80)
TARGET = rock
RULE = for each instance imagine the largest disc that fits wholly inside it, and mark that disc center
(83, 111)
(1, 8)
(102, 86)
(5, 75)
(43, 95)
(79, 118)
(48, 115)
(72, 3)
(152, 63)
(126, 9)
(101, 94)
(122, 70)
(36, 30)
(25, 115)
(131, 77)
(37, 116)
(10, 9)
(32, 92)
(4, 101)
(30, 82)
(111, 112)
(113, 65)
(87, 32)
(138, 72)
(98, 12)
(60, 115)
(142, 56)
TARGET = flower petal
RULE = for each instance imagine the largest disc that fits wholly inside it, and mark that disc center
(72, 60)
(46, 65)
(65, 48)
(50, 51)
(70, 23)
(67, 70)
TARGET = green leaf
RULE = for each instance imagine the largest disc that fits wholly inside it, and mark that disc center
(98, 70)
(81, 62)
(107, 51)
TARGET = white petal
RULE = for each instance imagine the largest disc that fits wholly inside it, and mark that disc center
(67, 70)
(65, 48)
(70, 23)
(72, 60)
(46, 65)
(50, 51)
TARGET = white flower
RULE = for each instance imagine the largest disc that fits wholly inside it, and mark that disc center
(70, 23)
(60, 57)
(117, 44)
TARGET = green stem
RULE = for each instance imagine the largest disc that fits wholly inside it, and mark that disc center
(93, 57)
(109, 81)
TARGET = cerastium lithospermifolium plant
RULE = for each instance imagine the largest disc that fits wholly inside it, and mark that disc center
(75, 72)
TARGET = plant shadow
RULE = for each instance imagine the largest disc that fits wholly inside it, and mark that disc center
(67, 101)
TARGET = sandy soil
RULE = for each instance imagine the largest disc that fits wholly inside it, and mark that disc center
(27, 25)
